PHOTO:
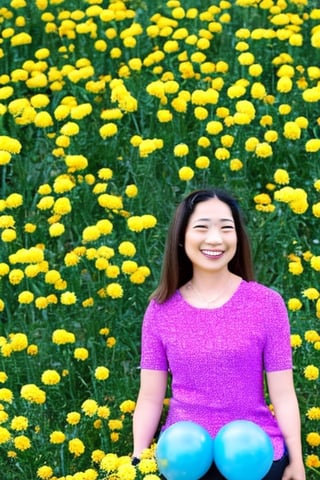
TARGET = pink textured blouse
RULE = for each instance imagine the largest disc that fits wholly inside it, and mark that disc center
(217, 357)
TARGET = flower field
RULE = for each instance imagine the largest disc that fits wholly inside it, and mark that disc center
(110, 112)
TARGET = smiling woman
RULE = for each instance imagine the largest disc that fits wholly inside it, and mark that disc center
(208, 297)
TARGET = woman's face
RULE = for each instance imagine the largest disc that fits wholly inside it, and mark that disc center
(211, 237)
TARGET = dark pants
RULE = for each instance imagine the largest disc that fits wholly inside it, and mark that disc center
(275, 472)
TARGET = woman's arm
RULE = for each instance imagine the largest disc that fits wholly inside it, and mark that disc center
(153, 386)
(286, 409)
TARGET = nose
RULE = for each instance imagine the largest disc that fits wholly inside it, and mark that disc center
(214, 235)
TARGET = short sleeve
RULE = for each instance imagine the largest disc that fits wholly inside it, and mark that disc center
(277, 352)
(153, 352)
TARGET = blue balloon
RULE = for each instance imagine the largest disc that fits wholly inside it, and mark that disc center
(184, 451)
(243, 451)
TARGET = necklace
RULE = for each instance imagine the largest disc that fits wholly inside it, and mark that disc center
(207, 301)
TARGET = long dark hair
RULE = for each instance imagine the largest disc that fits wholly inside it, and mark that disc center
(176, 267)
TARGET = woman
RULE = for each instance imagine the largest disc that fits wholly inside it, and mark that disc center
(217, 332)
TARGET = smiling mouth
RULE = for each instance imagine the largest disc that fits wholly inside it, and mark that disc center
(212, 253)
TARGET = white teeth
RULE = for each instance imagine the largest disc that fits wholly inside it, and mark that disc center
(212, 253)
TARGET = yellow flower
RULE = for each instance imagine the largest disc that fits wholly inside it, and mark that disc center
(315, 263)
(127, 406)
(295, 268)
(57, 437)
(214, 127)
(186, 173)
(76, 446)
(8, 235)
(292, 131)
(202, 162)
(33, 394)
(313, 413)
(131, 190)
(62, 206)
(89, 407)
(73, 418)
(45, 472)
(112, 202)
(6, 395)
(108, 130)
(81, 353)
(115, 424)
(76, 162)
(311, 293)
(313, 145)
(91, 233)
(18, 342)
(135, 223)
(101, 373)
(313, 439)
(311, 372)
(281, 176)
(114, 290)
(294, 304)
(50, 377)
(295, 340)
(68, 298)
(62, 336)
(181, 150)
(263, 150)
(56, 229)
(316, 209)
(22, 442)
(25, 297)
(312, 461)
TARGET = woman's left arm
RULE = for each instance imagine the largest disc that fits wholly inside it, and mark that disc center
(284, 400)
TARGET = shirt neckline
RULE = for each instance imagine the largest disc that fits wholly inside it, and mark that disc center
(210, 309)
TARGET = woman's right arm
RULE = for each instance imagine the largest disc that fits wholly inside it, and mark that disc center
(146, 417)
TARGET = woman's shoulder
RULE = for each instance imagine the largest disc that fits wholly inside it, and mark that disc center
(256, 288)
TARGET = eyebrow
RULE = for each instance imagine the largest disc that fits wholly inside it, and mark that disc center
(208, 220)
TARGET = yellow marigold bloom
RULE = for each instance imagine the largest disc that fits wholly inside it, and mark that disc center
(315, 263)
(63, 184)
(22, 38)
(222, 153)
(43, 120)
(202, 162)
(15, 276)
(114, 290)
(135, 223)
(71, 259)
(294, 304)
(109, 462)
(311, 336)
(186, 173)
(56, 229)
(62, 206)
(312, 461)
(18, 342)
(311, 372)
(317, 185)
(33, 394)
(295, 268)
(263, 150)
(89, 407)
(57, 437)
(19, 423)
(316, 210)
(313, 439)
(108, 130)
(111, 202)
(104, 226)
(295, 340)
(5, 435)
(236, 91)
(45, 472)
(50, 377)
(148, 221)
(68, 298)
(164, 116)
(5, 157)
(112, 271)
(70, 129)
(129, 267)
(76, 446)
(101, 373)
(4, 269)
(110, 342)
(313, 413)
(271, 136)
(262, 198)
(115, 424)
(41, 302)
(6, 395)
(22, 442)
(281, 176)
(32, 349)
(284, 109)
(91, 233)
(3, 377)
(81, 353)
(8, 235)
(255, 69)
(103, 412)
(313, 145)
(25, 297)
(214, 127)
(311, 293)
(127, 406)
(131, 190)
(181, 150)
(45, 203)
(76, 162)
(30, 227)
(62, 336)
(292, 131)
(73, 418)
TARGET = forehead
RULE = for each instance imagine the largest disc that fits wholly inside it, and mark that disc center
(212, 209)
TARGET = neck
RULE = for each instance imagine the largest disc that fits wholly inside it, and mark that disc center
(207, 281)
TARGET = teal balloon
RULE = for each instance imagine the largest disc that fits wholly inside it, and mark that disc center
(184, 451)
(243, 451)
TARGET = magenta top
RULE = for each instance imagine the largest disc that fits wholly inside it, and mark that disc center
(217, 357)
